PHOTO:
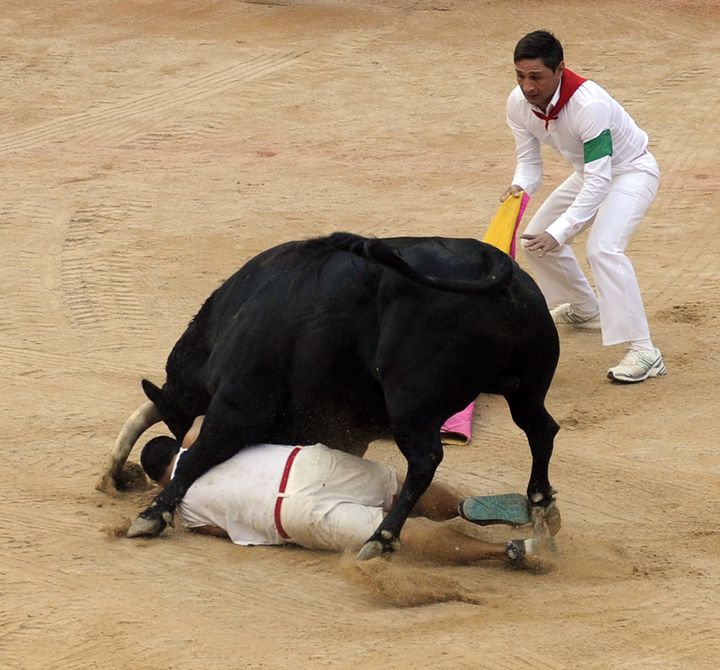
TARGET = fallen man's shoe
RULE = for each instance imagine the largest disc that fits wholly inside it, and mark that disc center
(518, 551)
(510, 509)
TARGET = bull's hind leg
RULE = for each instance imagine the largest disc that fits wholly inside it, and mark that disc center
(529, 413)
(423, 451)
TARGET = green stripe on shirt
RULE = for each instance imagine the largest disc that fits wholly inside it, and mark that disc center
(599, 147)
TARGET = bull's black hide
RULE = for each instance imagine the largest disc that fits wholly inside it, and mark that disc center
(343, 340)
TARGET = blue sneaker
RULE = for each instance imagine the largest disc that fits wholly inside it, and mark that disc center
(507, 508)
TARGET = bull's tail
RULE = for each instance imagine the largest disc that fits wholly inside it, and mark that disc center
(376, 250)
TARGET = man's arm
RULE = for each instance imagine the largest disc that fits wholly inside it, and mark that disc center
(593, 125)
(529, 163)
(216, 531)
(193, 432)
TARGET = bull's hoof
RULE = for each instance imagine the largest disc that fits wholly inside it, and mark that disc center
(545, 515)
(553, 521)
(146, 527)
(369, 550)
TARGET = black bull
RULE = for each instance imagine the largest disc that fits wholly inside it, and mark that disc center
(343, 340)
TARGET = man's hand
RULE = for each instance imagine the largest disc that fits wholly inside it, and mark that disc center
(515, 191)
(541, 243)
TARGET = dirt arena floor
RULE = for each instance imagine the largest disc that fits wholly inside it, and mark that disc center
(149, 148)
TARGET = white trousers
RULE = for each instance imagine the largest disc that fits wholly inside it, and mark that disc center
(622, 315)
(335, 501)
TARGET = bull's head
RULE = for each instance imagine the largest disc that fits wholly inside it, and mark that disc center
(176, 420)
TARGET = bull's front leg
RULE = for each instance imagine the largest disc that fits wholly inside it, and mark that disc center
(155, 518)
(192, 465)
(423, 455)
(214, 444)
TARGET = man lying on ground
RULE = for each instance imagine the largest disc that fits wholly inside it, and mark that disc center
(316, 497)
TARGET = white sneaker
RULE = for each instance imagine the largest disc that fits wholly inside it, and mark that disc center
(637, 366)
(566, 314)
(519, 551)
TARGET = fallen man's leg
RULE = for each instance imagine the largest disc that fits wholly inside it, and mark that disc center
(437, 542)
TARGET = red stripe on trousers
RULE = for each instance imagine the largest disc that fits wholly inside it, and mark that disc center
(283, 484)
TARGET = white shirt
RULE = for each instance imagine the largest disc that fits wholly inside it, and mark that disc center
(239, 495)
(589, 113)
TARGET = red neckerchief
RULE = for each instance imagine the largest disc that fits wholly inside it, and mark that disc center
(569, 83)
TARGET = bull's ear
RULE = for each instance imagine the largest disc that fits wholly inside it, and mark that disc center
(153, 393)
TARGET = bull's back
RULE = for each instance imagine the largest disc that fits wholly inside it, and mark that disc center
(307, 319)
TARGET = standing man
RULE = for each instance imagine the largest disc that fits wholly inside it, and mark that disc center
(614, 181)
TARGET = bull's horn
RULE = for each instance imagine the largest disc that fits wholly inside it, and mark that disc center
(138, 422)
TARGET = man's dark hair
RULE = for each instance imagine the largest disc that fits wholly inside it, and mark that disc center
(540, 44)
(157, 454)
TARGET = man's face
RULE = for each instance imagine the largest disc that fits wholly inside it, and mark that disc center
(537, 81)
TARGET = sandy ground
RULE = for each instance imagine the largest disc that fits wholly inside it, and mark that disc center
(149, 148)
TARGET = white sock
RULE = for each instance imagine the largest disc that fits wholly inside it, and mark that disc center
(642, 345)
